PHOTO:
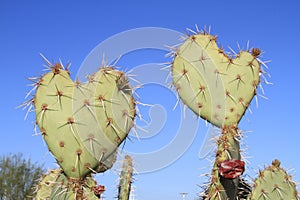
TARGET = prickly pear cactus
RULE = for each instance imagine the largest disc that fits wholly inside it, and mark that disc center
(215, 86)
(125, 179)
(55, 185)
(274, 183)
(219, 88)
(83, 124)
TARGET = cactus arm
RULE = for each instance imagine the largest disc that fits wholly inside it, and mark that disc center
(125, 179)
(228, 150)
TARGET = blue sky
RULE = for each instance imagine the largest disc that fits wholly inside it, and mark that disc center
(70, 31)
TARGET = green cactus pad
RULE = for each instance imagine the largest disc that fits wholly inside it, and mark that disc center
(125, 179)
(83, 124)
(274, 183)
(215, 86)
(55, 185)
(45, 186)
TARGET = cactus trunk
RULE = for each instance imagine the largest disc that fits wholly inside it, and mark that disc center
(225, 181)
(125, 179)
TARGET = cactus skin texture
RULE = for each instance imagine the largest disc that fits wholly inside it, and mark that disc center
(55, 185)
(274, 183)
(83, 124)
(125, 179)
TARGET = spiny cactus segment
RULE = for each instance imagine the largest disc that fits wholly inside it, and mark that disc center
(83, 124)
(219, 89)
(213, 85)
(125, 179)
(274, 183)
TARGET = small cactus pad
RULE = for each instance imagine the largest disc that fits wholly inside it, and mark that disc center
(83, 124)
(45, 186)
(215, 86)
(274, 183)
(125, 179)
(55, 185)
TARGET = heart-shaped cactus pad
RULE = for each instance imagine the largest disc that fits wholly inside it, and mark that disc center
(215, 86)
(83, 124)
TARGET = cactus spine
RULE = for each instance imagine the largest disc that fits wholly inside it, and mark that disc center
(83, 124)
(219, 89)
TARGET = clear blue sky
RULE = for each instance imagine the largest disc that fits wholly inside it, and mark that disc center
(68, 30)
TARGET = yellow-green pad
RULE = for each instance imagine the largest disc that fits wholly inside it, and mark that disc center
(216, 87)
(83, 124)
(274, 183)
